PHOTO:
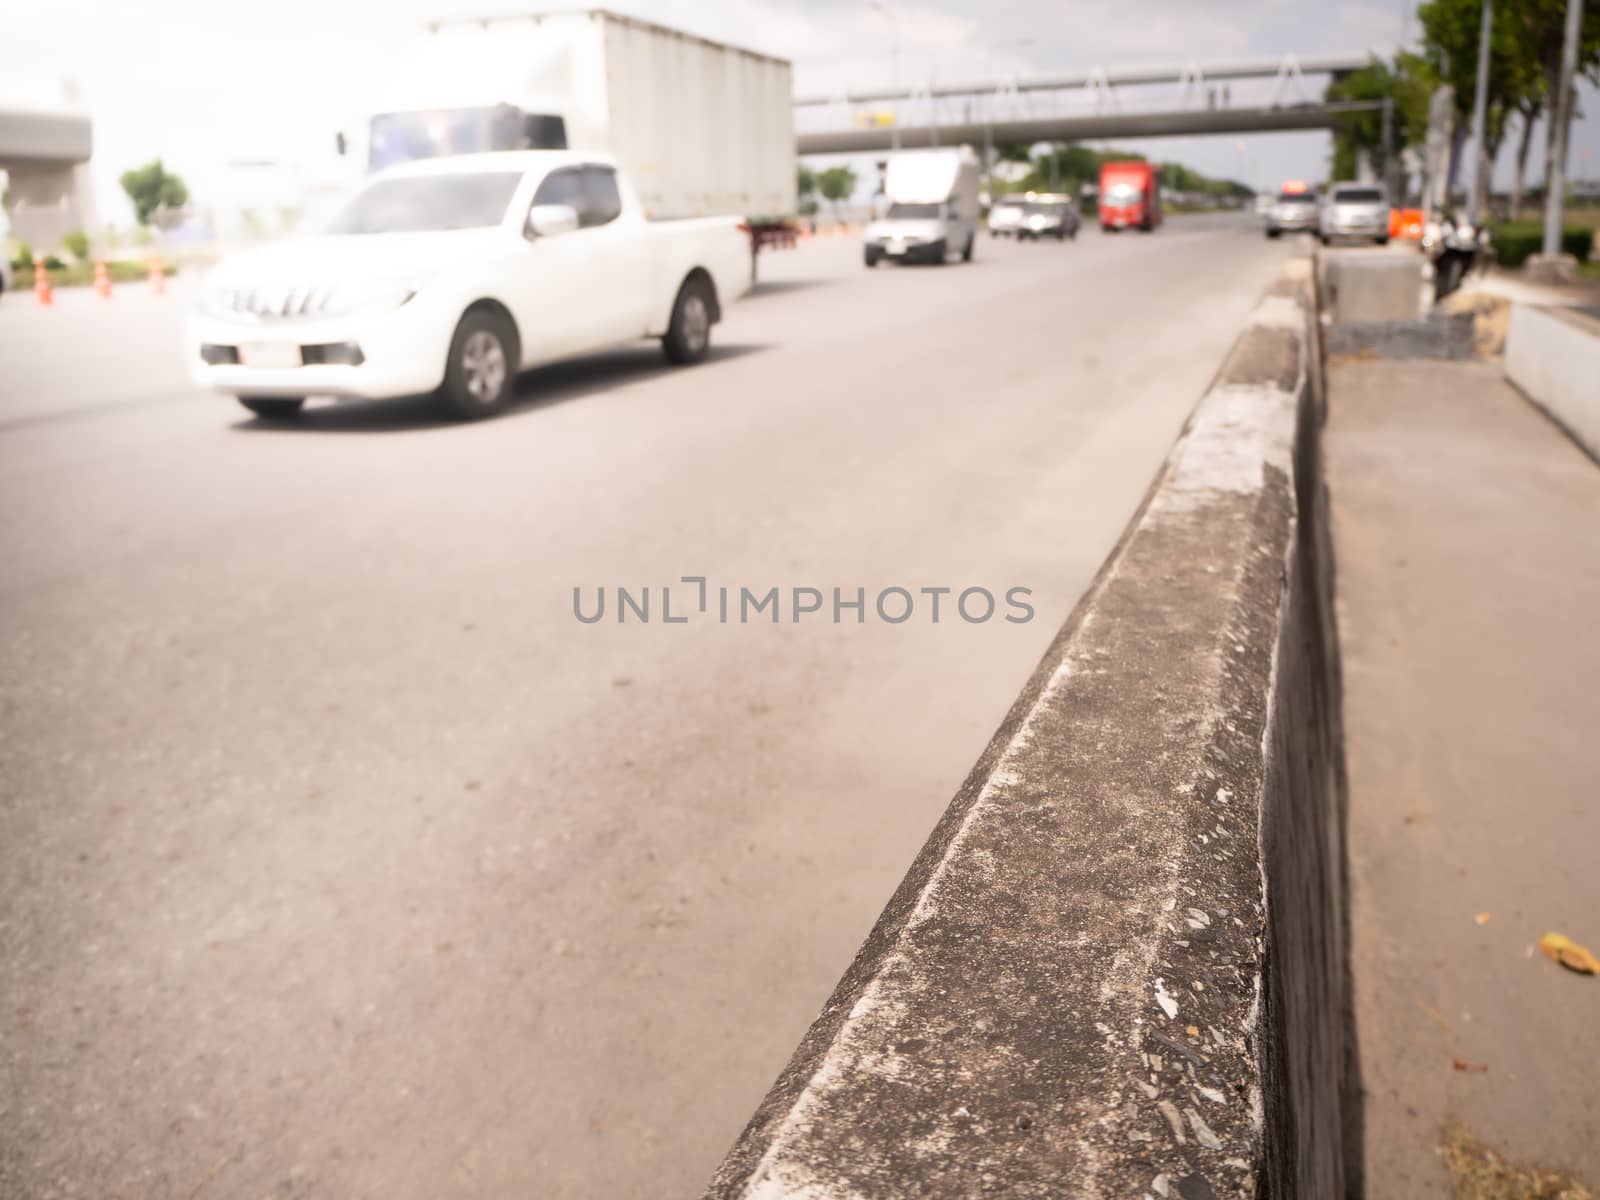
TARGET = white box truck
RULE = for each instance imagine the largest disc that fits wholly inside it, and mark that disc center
(932, 208)
(704, 129)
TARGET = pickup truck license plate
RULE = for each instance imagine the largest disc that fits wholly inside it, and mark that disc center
(269, 354)
(897, 248)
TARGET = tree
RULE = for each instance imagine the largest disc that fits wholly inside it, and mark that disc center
(1066, 168)
(1406, 83)
(1540, 28)
(1529, 109)
(837, 184)
(151, 187)
(1524, 65)
(805, 180)
(1450, 33)
(77, 245)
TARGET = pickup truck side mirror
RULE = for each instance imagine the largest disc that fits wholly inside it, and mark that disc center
(547, 219)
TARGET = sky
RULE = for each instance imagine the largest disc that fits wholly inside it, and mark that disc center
(202, 83)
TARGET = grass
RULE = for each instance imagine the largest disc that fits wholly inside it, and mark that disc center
(1478, 1173)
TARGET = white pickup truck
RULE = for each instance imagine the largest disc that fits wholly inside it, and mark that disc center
(449, 275)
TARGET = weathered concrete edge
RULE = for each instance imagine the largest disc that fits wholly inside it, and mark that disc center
(1006, 1025)
(1552, 356)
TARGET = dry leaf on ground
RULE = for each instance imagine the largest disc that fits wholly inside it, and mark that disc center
(1569, 954)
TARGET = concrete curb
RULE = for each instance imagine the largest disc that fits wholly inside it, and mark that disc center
(1116, 969)
(1553, 356)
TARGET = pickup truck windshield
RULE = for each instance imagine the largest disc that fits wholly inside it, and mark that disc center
(399, 137)
(1297, 198)
(1358, 196)
(913, 212)
(418, 203)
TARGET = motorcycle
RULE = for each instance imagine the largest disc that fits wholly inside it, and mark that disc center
(1456, 247)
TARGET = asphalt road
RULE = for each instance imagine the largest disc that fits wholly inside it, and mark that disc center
(338, 859)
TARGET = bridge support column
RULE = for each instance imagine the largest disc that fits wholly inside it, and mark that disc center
(49, 201)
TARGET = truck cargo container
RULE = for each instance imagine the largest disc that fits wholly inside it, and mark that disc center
(1130, 196)
(704, 129)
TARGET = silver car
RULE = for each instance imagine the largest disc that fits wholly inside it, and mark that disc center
(1357, 210)
(1292, 212)
(1049, 216)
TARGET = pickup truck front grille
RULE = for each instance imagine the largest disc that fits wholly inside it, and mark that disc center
(276, 303)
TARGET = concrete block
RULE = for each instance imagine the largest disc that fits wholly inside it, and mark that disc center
(1372, 285)
(1117, 966)
(1553, 355)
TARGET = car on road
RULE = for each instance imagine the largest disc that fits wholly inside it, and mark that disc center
(1049, 216)
(1129, 196)
(1294, 211)
(933, 207)
(1005, 216)
(1358, 210)
(449, 275)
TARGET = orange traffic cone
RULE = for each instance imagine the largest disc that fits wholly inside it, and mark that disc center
(102, 280)
(41, 283)
(158, 278)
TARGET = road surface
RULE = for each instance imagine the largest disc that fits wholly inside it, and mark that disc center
(340, 860)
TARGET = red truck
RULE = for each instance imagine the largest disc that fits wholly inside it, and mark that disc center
(1130, 196)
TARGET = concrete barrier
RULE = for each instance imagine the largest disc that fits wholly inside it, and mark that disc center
(1367, 285)
(1553, 355)
(1117, 968)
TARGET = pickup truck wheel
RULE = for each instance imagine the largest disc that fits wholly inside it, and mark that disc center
(870, 256)
(273, 409)
(966, 253)
(478, 376)
(689, 334)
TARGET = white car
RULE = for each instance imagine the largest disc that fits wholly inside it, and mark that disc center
(450, 275)
(1354, 210)
(1005, 216)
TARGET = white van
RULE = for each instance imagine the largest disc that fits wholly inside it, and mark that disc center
(933, 207)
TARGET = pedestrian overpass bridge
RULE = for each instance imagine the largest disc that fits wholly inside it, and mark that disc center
(1082, 105)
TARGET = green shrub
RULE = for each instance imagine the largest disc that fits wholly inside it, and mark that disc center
(1514, 241)
(24, 257)
(83, 274)
(76, 244)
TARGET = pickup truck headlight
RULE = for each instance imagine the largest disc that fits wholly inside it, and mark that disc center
(365, 298)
